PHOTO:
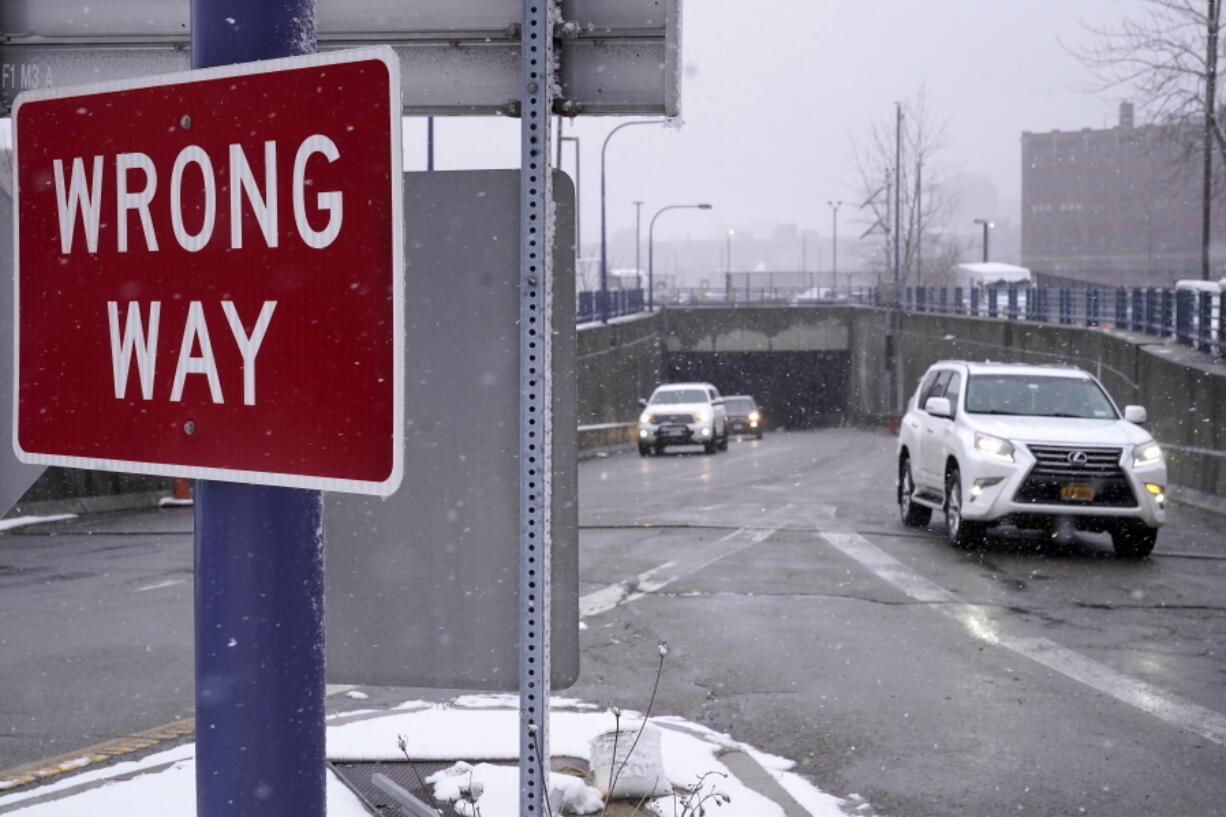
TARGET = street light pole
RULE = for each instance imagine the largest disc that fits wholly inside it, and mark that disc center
(897, 193)
(987, 225)
(651, 253)
(728, 265)
(638, 245)
(578, 200)
(834, 262)
(604, 230)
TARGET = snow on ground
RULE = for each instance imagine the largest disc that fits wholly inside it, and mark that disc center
(477, 728)
(19, 521)
(169, 790)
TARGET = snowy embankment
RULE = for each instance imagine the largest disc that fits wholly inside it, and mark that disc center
(474, 727)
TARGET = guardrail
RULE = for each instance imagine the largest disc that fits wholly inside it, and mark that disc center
(630, 301)
(1193, 318)
(621, 302)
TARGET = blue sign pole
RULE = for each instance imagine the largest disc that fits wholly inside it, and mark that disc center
(259, 558)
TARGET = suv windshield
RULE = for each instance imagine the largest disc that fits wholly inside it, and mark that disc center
(1038, 396)
(673, 396)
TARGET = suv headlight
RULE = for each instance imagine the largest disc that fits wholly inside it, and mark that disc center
(646, 417)
(754, 416)
(701, 416)
(994, 447)
(1146, 454)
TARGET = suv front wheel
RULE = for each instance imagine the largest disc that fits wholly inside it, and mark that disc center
(913, 514)
(1133, 539)
(959, 532)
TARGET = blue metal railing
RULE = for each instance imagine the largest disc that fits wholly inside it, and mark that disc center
(1196, 319)
(1193, 318)
(621, 302)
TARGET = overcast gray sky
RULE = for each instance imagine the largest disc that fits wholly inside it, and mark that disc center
(776, 91)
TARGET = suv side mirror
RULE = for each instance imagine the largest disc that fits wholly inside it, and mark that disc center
(939, 407)
(1135, 414)
(642, 402)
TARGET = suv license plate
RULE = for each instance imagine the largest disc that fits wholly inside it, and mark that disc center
(1077, 493)
(675, 431)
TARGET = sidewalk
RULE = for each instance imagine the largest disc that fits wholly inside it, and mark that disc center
(481, 729)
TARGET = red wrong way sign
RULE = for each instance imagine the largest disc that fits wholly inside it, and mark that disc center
(209, 274)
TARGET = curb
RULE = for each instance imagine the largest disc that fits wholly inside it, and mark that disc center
(82, 505)
(1209, 503)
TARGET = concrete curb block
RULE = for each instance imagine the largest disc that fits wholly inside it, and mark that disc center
(90, 504)
(750, 772)
(605, 451)
(1210, 503)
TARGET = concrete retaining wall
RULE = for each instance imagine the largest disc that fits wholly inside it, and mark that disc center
(617, 363)
(72, 490)
(1185, 392)
(859, 331)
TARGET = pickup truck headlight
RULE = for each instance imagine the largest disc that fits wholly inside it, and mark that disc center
(994, 447)
(646, 417)
(701, 416)
(1146, 454)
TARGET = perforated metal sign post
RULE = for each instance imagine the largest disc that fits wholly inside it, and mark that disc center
(535, 407)
(209, 274)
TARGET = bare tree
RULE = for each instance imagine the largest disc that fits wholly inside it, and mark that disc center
(926, 249)
(1167, 61)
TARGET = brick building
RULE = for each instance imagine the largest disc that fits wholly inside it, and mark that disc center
(1114, 207)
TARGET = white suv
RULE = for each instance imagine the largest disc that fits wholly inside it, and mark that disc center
(683, 414)
(1032, 446)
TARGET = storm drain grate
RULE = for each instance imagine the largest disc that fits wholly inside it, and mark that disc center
(357, 775)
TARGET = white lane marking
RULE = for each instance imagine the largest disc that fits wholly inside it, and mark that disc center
(606, 598)
(1167, 706)
(21, 521)
(160, 585)
(609, 597)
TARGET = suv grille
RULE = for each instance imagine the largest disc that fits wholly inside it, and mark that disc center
(1060, 466)
(663, 419)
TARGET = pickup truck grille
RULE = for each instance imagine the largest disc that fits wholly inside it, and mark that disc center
(1060, 466)
(664, 419)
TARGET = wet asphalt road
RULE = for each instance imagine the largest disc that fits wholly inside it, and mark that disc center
(1025, 677)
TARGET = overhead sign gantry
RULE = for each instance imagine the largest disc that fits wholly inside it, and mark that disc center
(613, 58)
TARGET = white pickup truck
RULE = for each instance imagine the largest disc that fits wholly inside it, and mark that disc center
(683, 414)
(1038, 447)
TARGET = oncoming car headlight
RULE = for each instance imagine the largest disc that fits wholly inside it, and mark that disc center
(994, 447)
(1146, 454)
(646, 417)
(754, 416)
(701, 416)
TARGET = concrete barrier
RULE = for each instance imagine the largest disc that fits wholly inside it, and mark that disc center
(617, 363)
(1183, 390)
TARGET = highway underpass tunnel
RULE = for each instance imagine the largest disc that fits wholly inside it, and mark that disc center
(793, 389)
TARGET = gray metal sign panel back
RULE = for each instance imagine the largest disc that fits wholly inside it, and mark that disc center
(456, 57)
(422, 587)
(15, 478)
